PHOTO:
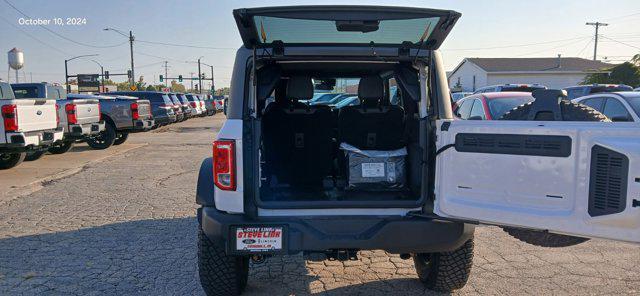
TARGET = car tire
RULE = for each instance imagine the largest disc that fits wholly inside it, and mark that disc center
(34, 155)
(103, 140)
(570, 112)
(11, 160)
(220, 274)
(121, 138)
(445, 271)
(62, 148)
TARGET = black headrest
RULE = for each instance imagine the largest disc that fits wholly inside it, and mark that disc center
(371, 88)
(299, 88)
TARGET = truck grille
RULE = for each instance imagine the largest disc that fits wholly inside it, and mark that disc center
(608, 181)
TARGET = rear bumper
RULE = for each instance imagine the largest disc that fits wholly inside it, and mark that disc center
(27, 141)
(164, 119)
(141, 125)
(80, 131)
(393, 234)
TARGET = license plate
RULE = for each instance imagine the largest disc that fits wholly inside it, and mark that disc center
(259, 238)
(47, 136)
(94, 128)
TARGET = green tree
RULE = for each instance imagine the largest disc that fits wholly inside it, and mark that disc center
(177, 87)
(222, 91)
(625, 73)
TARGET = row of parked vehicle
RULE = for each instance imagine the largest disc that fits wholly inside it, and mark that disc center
(619, 103)
(41, 117)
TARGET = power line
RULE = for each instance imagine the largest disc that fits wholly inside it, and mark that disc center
(584, 48)
(62, 36)
(184, 45)
(622, 16)
(629, 45)
(518, 45)
(547, 49)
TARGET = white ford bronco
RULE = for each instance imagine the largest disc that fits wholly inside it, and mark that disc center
(29, 125)
(399, 175)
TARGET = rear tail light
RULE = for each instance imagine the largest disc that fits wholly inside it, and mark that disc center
(99, 113)
(193, 104)
(224, 164)
(57, 116)
(134, 111)
(10, 115)
(70, 109)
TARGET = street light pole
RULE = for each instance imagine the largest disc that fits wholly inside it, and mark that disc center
(199, 77)
(66, 72)
(102, 74)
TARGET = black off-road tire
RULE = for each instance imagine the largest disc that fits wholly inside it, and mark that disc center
(62, 148)
(10, 160)
(34, 155)
(121, 137)
(570, 112)
(445, 271)
(220, 274)
(105, 139)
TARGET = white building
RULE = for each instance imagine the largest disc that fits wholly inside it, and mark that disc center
(558, 72)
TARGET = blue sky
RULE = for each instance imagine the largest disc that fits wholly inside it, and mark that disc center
(490, 28)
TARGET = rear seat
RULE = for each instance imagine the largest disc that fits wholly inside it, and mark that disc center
(374, 124)
(298, 143)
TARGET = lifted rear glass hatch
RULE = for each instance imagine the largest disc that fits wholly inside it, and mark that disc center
(345, 26)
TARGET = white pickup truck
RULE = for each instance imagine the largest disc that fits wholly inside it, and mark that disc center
(28, 125)
(79, 117)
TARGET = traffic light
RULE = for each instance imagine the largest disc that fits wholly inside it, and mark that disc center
(179, 78)
(129, 74)
(106, 75)
(202, 75)
(161, 78)
(196, 87)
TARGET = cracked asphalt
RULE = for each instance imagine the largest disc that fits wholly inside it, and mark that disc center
(126, 226)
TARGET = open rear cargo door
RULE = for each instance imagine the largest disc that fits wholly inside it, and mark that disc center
(345, 26)
(575, 178)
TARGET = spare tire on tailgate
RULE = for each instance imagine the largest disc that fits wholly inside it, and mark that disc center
(569, 111)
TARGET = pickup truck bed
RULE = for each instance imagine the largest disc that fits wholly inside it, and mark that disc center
(29, 124)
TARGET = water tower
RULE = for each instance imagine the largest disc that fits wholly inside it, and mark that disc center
(16, 60)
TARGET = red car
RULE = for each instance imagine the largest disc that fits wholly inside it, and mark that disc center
(490, 106)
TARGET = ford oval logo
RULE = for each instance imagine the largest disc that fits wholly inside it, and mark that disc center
(39, 112)
(89, 109)
(249, 241)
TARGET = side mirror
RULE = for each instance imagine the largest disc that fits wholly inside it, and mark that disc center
(477, 117)
(620, 119)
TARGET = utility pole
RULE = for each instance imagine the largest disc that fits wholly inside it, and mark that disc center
(595, 45)
(199, 77)
(133, 75)
(213, 88)
(166, 73)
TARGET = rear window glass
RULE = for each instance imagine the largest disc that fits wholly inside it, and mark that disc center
(326, 31)
(635, 103)
(22, 92)
(606, 89)
(498, 107)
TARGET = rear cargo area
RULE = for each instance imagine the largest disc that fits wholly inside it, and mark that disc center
(359, 147)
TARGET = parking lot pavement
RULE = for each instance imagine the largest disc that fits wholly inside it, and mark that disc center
(126, 226)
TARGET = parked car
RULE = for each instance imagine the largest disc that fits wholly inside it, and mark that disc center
(30, 125)
(322, 98)
(79, 118)
(574, 92)
(162, 108)
(186, 106)
(617, 106)
(636, 89)
(210, 104)
(510, 87)
(219, 103)
(490, 106)
(459, 95)
(409, 179)
(177, 108)
(224, 105)
(122, 114)
(203, 106)
(348, 101)
(195, 103)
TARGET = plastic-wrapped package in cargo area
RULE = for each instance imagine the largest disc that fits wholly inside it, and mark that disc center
(374, 169)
